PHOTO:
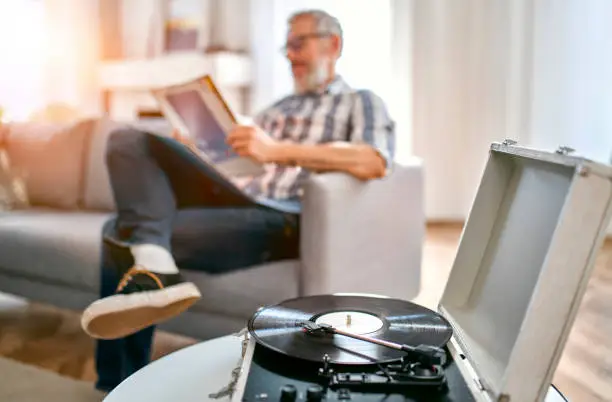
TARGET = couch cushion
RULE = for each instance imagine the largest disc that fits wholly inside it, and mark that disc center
(51, 157)
(97, 193)
(51, 245)
(241, 293)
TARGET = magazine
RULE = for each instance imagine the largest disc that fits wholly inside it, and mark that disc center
(197, 111)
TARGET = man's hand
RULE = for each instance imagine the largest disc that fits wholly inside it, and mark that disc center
(252, 142)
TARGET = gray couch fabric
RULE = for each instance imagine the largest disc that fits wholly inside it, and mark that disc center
(98, 194)
(59, 247)
(357, 237)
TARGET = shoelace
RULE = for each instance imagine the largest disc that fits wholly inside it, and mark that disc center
(137, 271)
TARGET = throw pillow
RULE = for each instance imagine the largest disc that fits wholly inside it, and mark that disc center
(51, 158)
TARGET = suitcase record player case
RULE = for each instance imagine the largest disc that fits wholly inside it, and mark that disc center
(523, 262)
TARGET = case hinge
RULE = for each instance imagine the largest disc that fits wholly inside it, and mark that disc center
(584, 171)
(479, 384)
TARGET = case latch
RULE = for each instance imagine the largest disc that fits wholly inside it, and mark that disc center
(563, 150)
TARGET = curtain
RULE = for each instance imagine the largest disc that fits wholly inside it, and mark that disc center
(572, 77)
(539, 72)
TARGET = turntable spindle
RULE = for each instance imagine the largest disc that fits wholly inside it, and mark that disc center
(348, 320)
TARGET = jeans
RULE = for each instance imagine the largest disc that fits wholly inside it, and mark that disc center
(165, 195)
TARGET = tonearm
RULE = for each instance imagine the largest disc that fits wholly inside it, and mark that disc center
(424, 353)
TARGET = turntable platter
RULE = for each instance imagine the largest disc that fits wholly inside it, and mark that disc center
(279, 327)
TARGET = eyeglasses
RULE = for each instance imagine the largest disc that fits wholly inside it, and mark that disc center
(297, 43)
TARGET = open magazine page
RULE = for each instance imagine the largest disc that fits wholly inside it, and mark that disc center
(203, 128)
(197, 110)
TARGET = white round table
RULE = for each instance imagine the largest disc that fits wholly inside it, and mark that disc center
(191, 374)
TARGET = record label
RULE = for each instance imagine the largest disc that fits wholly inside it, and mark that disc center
(280, 328)
(356, 322)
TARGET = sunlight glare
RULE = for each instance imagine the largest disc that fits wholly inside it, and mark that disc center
(22, 48)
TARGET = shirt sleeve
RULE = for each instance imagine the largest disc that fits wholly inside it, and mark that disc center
(371, 124)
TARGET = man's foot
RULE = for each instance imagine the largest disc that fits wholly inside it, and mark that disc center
(143, 298)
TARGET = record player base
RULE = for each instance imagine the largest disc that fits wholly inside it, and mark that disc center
(191, 374)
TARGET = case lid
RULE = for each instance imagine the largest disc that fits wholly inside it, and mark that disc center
(524, 258)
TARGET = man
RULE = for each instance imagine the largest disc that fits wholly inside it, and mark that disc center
(173, 211)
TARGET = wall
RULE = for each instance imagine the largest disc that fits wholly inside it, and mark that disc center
(140, 21)
(235, 17)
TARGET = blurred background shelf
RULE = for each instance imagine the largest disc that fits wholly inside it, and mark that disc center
(127, 83)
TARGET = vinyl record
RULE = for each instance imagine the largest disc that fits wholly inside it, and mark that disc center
(279, 327)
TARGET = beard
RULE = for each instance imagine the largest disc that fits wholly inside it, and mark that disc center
(314, 79)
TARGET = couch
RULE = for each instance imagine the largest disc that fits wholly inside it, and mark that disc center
(357, 237)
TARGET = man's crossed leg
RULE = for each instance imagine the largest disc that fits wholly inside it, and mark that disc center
(172, 211)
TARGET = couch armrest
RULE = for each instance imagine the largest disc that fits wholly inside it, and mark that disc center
(363, 237)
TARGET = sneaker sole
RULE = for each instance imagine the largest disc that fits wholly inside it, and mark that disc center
(122, 315)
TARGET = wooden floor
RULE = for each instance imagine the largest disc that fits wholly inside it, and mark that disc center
(51, 338)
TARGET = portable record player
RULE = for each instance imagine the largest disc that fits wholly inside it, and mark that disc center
(521, 269)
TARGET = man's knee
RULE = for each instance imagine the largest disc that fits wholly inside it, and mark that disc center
(126, 141)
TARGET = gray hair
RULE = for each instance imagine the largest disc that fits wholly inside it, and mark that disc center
(324, 22)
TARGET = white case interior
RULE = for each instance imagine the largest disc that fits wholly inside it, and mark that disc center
(524, 258)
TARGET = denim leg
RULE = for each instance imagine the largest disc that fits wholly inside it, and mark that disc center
(214, 240)
(142, 192)
(118, 359)
(151, 177)
(166, 195)
(138, 350)
(219, 240)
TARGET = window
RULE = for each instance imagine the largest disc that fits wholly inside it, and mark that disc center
(23, 53)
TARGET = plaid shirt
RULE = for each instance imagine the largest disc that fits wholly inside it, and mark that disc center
(337, 113)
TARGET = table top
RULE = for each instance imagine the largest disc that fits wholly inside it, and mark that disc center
(192, 373)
